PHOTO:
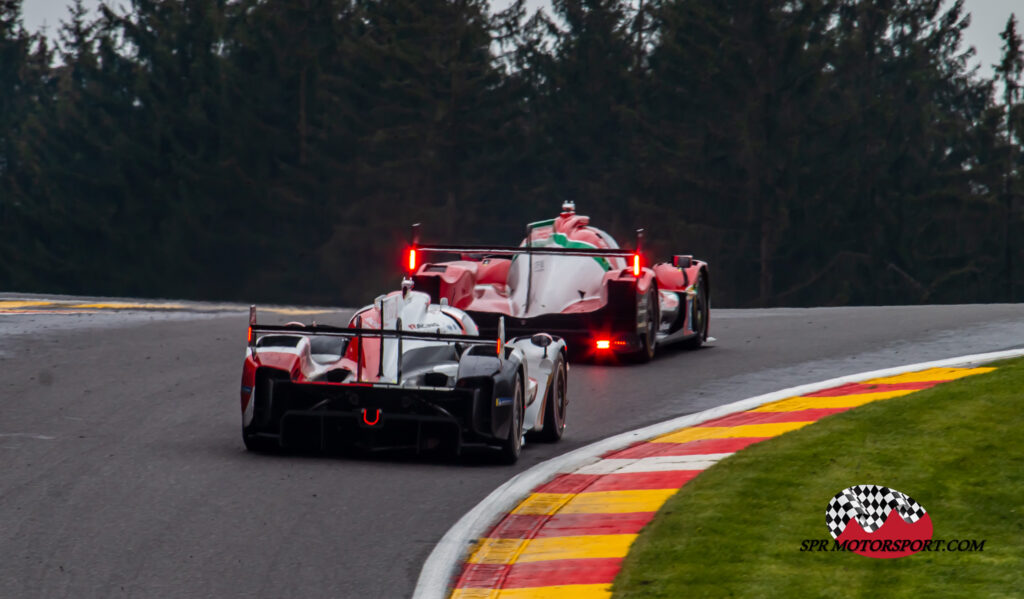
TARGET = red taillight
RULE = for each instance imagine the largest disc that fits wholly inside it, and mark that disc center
(603, 344)
(248, 337)
(366, 417)
(412, 260)
(636, 265)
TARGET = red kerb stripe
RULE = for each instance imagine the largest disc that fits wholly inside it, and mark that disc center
(485, 576)
(669, 479)
(562, 572)
(526, 526)
(572, 525)
(770, 417)
(649, 450)
(858, 388)
(567, 483)
(540, 574)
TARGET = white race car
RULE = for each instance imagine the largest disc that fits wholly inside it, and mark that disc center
(404, 374)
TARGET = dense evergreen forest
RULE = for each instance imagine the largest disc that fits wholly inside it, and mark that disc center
(816, 152)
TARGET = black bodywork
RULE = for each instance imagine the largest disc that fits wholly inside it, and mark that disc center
(320, 416)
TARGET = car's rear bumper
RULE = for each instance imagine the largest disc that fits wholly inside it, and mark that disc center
(316, 416)
(581, 329)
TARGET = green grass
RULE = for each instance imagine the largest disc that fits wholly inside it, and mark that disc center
(957, 449)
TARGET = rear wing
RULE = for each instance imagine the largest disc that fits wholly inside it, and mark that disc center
(632, 256)
(358, 332)
(507, 250)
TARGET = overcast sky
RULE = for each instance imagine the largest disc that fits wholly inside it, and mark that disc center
(988, 17)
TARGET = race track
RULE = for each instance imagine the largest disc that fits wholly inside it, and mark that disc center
(122, 471)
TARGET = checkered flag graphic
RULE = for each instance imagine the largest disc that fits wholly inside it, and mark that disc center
(871, 506)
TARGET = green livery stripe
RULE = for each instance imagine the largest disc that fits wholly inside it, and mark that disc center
(561, 240)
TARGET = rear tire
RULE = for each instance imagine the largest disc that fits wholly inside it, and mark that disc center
(701, 312)
(555, 404)
(649, 337)
(512, 446)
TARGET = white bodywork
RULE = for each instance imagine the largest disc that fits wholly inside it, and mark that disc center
(419, 315)
(558, 281)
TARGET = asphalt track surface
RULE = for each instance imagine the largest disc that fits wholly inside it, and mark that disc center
(122, 471)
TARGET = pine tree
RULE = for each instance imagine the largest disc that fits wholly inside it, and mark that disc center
(429, 132)
(586, 111)
(25, 86)
(735, 105)
(1010, 74)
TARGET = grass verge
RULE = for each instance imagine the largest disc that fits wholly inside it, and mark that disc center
(957, 449)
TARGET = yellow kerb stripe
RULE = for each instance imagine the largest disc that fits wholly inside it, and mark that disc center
(542, 503)
(724, 432)
(932, 374)
(496, 551)
(601, 502)
(509, 551)
(9, 304)
(568, 591)
(130, 306)
(294, 311)
(840, 401)
(618, 502)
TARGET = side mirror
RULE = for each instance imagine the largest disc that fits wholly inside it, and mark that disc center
(682, 260)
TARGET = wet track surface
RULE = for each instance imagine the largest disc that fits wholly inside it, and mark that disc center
(122, 470)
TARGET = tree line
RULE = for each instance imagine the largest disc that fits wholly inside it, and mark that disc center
(816, 152)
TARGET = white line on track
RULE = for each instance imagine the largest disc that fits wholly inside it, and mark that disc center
(442, 563)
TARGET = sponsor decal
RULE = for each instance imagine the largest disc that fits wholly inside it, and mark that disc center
(881, 522)
(866, 516)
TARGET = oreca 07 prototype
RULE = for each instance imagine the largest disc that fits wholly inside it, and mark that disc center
(404, 374)
(573, 280)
